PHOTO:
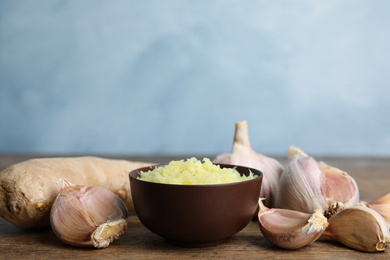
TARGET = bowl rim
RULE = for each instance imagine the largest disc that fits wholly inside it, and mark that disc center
(259, 174)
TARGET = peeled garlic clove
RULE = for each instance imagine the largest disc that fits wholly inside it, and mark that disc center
(242, 154)
(342, 189)
(87, 216)
(360, 228)
(382, 206)
(302, 186)
(290, 229)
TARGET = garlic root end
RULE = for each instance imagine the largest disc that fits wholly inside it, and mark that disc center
(107, 232)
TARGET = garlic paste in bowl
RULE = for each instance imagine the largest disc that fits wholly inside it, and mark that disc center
(193, 172)
(195, 204)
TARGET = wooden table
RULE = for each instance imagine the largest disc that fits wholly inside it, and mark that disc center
(371, 174)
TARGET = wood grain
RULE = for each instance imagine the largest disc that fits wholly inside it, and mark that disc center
(371, 174)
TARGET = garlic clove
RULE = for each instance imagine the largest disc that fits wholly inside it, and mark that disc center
(360, 228)
(290, 229)
(342, 189)
(87, 216)
(302, 186)
(381, 205)
(242, 154)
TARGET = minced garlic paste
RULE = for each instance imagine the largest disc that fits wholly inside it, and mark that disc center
(193, 172)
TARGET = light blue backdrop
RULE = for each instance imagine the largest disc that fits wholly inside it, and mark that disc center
(173, 77)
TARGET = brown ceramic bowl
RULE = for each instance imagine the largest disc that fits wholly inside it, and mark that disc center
(196, 215)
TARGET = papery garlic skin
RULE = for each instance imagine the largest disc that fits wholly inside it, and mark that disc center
(360, 228)
(290, 229)
(87, 216)
(342, 189)
(242, 154)
(293, 151)
(302, 186)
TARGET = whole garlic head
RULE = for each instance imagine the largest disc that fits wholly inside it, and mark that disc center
(242, 154)
(87, 216)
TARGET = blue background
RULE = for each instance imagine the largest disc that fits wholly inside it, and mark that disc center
(173, 77)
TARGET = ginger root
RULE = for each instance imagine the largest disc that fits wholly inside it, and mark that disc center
(28, 189)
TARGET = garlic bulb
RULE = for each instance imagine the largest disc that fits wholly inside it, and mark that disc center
(381, 205)
(306, 185)
(290, 229)
(87, 216)
(302, 186)
(360, 228)
(242, 154)
(343, 191)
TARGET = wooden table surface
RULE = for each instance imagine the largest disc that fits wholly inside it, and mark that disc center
(371, 174)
